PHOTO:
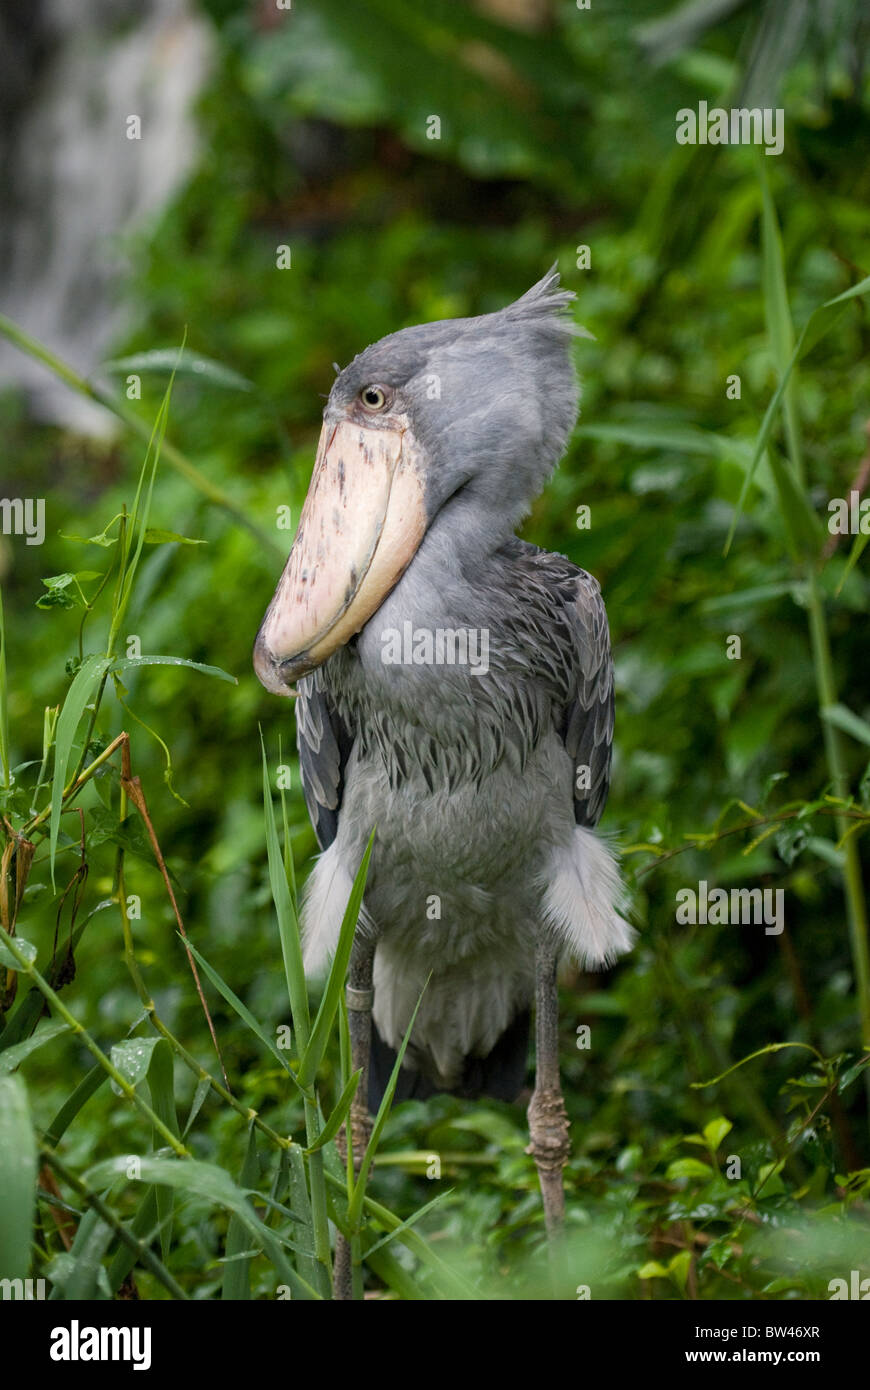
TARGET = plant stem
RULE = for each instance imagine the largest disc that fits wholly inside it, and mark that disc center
(143, 1255)
(28, 968)
(856, 906)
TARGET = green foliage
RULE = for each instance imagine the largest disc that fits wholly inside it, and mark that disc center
(709, 520)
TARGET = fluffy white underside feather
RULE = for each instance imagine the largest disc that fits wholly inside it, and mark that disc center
(585, 899)
(468, 1007)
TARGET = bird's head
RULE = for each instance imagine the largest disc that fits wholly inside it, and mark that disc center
(481, 407)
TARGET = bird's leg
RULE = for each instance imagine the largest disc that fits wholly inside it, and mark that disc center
(360, 996)
(548, 1121)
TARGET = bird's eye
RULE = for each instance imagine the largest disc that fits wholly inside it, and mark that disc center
(373, 397)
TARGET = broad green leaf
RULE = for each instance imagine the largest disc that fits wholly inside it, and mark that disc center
(85, 1276)
(27, 949)
(211, 1183)
(132, 1058)
(688, 1168)
(715, 1131)
(18, 1168)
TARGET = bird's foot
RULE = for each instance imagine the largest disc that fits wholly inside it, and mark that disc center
(551, 1149)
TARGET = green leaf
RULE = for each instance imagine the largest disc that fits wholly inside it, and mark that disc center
(84, 1277)
(354, 1206)
(153, 536)
(803, 528)
(242, 1010)
(715, 1131)
(213, 1185)
(163, 361)
(87, 1087)
(123, 663)
(288, 920)
(18, 1167)
(12, 1057)
(336, 1119)
(80, 693)
(237, 1274)
(313, 1054)
(688, 1168)
(850, 723)
(132, 1058)
(26, 948)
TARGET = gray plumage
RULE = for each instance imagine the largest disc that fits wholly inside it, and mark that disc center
(484, 831)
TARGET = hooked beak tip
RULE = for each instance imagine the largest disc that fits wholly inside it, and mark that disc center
(275, 675)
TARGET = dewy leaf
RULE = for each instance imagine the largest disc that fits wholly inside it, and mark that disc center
(162, 361)
(27, 949)
(211, 1183)
(17, 1178)
(123, 663)
(132, 1059)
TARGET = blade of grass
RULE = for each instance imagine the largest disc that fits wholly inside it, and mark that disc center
(207, 1181)
(288, 922)
(174, 456)
(88, 676)
(244, 1014)
(237, 1273)
(337, 1118)
(313, 1054)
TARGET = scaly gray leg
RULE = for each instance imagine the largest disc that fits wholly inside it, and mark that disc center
(360, 996)
(548, 1122)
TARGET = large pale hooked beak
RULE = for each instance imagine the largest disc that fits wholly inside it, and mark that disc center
(361, 524)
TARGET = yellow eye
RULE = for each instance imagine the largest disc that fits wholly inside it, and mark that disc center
(373, 397)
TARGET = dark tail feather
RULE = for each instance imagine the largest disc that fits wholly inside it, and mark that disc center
(501, 1074)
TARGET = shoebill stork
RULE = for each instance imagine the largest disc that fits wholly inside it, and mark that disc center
(485, 776)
